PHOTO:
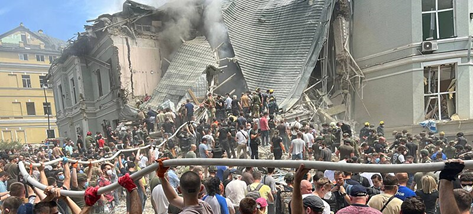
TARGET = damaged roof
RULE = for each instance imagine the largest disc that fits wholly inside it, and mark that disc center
(185, 72)
(277, 42)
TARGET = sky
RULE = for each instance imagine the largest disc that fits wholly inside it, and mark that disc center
(62, 19)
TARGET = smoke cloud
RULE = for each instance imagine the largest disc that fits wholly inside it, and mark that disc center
(213, 23)
(184, 19)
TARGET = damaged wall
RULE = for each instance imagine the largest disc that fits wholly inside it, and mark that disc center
(140, 65)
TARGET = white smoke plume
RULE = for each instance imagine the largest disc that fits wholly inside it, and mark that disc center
(213, 23)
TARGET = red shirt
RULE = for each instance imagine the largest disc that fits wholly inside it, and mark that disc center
(101, 142)
(102, 181)
(263, 124)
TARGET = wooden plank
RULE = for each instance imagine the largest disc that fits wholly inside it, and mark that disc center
(191, 93)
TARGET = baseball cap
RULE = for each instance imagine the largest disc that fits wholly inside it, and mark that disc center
(358, 190)
(261, 202)
(315, 203)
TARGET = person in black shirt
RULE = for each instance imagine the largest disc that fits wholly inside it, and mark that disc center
(222, 135)
(412, 149)
(367, 149)
(236, 106)
(254, 141)
(80, 144)
(167, 127)
(277, 146)
(282, 129)
(220, 108)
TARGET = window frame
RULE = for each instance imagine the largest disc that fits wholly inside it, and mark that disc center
(28, 106)
(26, 78)
(437, 11)
(23, 57)
(42, 81)
(47, 105)
(40, 58)
(99, 83)
(73, 90)
(438, 94)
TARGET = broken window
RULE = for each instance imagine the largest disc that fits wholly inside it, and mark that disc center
(61, 97)
(143, 28)
(437, 19)
(439, 92)
(99, 82)
(73, 89)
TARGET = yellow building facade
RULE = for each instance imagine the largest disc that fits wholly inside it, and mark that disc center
(27, 103)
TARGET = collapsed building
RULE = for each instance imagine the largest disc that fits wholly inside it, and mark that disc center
(316, 56)
(175, 54)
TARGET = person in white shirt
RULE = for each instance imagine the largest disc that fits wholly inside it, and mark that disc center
(236, 190)
(159, 201)
(295, 127)
(297, 147)
(242, 139)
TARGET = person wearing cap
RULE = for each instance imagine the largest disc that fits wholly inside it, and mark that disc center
(261, 205)
(424, 156)
(284, 194)
(358, 199)
(364, 132)
(89, 141)
(443, 138)
(313, 205)
(380, 129)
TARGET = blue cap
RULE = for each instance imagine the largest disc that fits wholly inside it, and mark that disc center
(358, 190)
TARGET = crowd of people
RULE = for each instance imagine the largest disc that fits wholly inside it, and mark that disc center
(240, 128)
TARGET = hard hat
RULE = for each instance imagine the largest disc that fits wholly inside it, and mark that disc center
(367, 123)
(212, 169)
(89, 133)
(271, 90)
(289, 177)
(381, 122)
(424, 152)
(442, 133)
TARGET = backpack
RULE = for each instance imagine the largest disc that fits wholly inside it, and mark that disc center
(254, 193)
(283, 201)
(395, 159)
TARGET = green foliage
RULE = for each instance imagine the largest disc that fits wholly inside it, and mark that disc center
(10, 145)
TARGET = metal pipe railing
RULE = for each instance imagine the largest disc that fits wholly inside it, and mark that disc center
(319, 165)
(80, 194)
(112, 157)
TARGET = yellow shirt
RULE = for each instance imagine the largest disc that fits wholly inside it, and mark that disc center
(378, 201)
(264, 191)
